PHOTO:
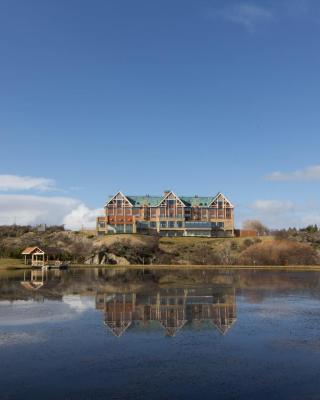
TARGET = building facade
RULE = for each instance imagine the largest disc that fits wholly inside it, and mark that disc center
(168, 215)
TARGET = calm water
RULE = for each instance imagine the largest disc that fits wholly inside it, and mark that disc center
(125, 334)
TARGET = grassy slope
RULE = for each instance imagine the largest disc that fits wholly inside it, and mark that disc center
(11, 263)
(181, 248)
(170, 244)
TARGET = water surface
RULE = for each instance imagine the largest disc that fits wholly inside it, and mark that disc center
(159, 334)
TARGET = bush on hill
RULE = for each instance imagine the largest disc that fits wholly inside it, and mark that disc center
(279, 252)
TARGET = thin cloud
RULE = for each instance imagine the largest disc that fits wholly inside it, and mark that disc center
(298, 8)
(272, 207)
(278, 214)
(308, 174)
(247, 15)
(16, 182)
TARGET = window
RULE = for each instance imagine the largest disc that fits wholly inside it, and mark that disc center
(163, 224)
(171, 224)
(120, 228)
(153, 224)
(179, 224)
(213, 213)
(220, 213)
(110, 210)
(129, 228)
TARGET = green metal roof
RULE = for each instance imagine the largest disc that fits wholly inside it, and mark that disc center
(144, 200)
(153, 201)
(196, 200)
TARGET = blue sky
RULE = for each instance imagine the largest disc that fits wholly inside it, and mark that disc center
(141, 96)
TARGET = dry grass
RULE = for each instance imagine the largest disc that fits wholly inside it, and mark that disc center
(11, 263)
(134, 239)
(171, 243)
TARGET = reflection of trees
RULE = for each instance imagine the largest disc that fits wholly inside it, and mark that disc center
(172, 309)
(255, 286)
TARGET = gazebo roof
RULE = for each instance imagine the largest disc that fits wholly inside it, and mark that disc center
(47, 250)
(29, 250)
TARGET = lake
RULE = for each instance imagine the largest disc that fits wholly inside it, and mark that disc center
(159, 334)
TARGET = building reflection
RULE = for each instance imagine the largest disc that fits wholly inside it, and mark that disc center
(171, 309)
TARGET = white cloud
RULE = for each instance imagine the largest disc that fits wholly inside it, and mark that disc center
(272, 207)
(277, 214)
(311, 173)
(247, 15)
(25, 209)
(81, 216)
(30, 210)
(16, 182)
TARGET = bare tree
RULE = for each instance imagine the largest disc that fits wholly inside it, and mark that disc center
(256, 225)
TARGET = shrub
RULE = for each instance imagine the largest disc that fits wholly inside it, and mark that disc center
(279, 252)
(203, 254)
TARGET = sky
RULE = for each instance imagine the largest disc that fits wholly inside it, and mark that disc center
(142, 96)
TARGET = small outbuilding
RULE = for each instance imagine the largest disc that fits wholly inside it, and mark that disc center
(39, 257)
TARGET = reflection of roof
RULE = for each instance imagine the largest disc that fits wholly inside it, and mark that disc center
(172, 330)
(223, 327)
(117, 328)
(31, 285)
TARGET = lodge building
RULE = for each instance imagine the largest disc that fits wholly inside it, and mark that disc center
(168, 215)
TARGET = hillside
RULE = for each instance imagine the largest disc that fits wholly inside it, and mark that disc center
(285, 248)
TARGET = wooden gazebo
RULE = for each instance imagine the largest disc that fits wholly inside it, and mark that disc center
(39, 257)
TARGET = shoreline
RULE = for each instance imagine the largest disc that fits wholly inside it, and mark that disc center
(301, 268)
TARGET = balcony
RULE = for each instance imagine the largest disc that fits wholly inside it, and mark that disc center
(168, 218)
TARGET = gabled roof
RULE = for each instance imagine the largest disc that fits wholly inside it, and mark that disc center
(112, 197)
(167, 195)
(222, 195)
(29, 250)
(154, 201)
(48, 250)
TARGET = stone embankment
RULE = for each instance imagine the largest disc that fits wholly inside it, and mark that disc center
(105, 258)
